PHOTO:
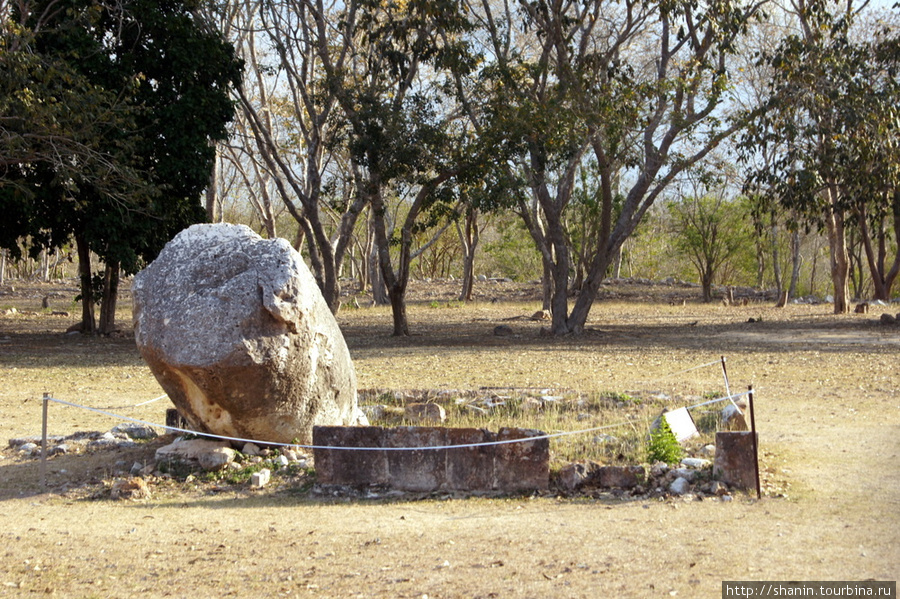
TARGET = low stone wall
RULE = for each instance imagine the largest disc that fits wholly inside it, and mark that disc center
(504, 468)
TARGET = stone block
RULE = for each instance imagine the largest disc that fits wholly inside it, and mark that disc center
(469, 468)
(735, 462)
(425, 413)
(260, 479)
(510, 467)
(350, 467)
(522, 466)
(420, 470)
(618, 477)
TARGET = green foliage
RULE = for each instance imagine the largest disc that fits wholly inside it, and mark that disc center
(139, 89)
(663, 446)
(710, 231)
(510, 251)
(830, 118)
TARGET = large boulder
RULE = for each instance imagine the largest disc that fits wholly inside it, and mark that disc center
(237, 333)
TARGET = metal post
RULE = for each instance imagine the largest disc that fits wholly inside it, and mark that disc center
(44, 441)
(725, 374)
(754, 441)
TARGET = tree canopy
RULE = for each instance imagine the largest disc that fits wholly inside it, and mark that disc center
(132, 95)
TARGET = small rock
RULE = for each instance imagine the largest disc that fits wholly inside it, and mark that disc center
(888, 319)
(685, 473)
(679, 486)
(34, 439)
(290, 454)
(216, 459)
(374, 412)
(718, 488)
(733, 418)
(425, 413)
(61, 449)
(503, 330)
(708, 450)
(619, 477)
(696, 463)
(659, 469)
(136, 468)
(135, 431)
(211, 455)
(282, 461)
(726, 498)
(572, 476)
(29, 448)
(133, 488)
(261, 478)
(250, 449)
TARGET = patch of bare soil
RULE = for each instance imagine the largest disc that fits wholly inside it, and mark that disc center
(828, 412)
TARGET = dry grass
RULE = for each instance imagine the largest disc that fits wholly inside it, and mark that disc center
(828, 414)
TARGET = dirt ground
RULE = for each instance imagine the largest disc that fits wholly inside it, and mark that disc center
(828, 412)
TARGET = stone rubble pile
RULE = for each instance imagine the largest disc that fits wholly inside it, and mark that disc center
(692, 479)
(122, 436)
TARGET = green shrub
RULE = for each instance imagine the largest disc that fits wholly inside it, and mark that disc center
(663, 446)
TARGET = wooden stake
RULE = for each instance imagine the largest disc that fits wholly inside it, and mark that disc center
(44, 441)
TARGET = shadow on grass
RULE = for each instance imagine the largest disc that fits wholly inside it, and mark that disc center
(827, 333)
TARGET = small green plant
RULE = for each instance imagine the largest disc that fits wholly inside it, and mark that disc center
(664, 447)
(615, 396)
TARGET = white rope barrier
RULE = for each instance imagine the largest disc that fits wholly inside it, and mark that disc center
(144, 403)
(334, 447)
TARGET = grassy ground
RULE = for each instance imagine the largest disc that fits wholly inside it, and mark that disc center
(828, 410)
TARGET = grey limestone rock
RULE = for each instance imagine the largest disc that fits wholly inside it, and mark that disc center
(237, 333)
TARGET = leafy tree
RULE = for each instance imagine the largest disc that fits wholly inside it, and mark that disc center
(638, 86)
(831, 114)
(710, 231)
(171, 74)
(402, 135)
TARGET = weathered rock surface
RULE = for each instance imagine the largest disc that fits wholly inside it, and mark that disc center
(208, 454)
(735, 462)
(237, 333)
(425, 413)
(399, 458)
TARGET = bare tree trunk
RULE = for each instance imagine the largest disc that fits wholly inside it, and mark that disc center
(213, 201)
(88, 323)
(3, 254)
(45, 266)
(617, 264)
(379, 290)
(796, 262)
(468, 239)
(776, 258)
(110, 299)
(840, 260)
(882, 279)
(706, 282)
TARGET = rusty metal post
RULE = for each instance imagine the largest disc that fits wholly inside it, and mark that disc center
(46, 402)
(755, 441)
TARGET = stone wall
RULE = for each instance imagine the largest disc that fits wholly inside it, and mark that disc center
(503, 468)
